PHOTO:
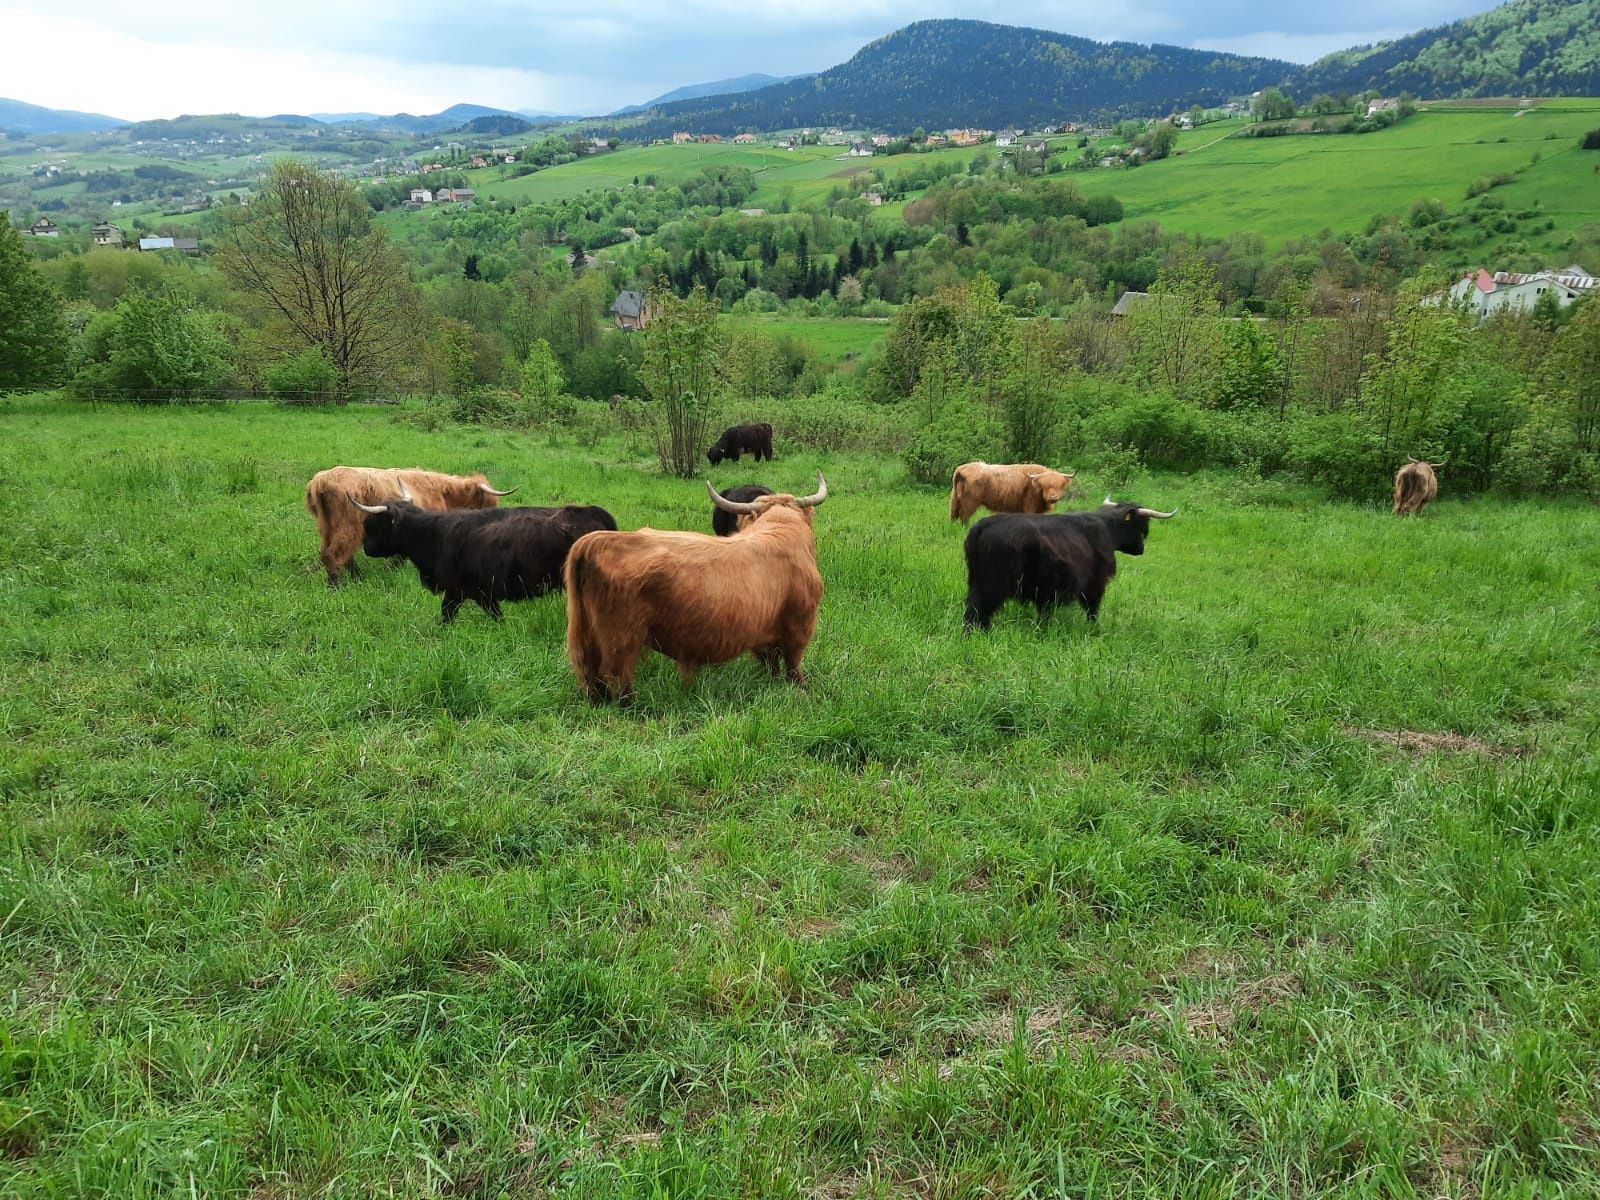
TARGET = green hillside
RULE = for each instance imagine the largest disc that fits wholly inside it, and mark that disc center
(1530, 47)
(1289, 187)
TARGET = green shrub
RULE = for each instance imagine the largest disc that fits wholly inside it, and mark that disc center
(963, 431)
(305, 378)
(1165, 431)
(1340, 451)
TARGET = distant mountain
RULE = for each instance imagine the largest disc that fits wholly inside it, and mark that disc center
(954, 73)
(18, 117)
(947, 73)
(545, 118)
(1526, 48)
(497, 125)
(450, 119)
(697, 91)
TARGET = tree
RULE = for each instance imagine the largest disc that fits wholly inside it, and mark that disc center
(1172, 337)
(163, 346)
(542, 380)
(470, 267)
(1272, 105)
(307, 255)
(680, 371)
(33, 335)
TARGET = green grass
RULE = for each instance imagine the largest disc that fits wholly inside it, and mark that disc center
(832, 339)
(302, 894)
(1296, 186)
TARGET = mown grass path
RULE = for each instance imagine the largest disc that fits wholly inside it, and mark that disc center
(1281, 882)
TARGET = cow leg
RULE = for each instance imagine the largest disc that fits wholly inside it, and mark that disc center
(980, 608)
(687, 672)
(771, 657)
(491, 606)
(616, 672)
(1090, 599)
(449, 607)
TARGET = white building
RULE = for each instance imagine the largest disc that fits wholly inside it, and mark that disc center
(421, 196)
(1505, 291)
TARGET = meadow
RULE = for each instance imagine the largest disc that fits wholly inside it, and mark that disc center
(1278, 882)
(1285, 187)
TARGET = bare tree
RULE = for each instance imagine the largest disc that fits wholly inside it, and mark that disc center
(308, 255)
(683, 375)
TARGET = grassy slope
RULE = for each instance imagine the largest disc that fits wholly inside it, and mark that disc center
(832, 338)
(1295, 186)
(301, 893)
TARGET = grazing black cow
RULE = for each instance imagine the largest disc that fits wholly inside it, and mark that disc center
(725, 523)
(742, 439)
(1051, 559)
(485, 555)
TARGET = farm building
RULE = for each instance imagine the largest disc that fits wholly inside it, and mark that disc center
(631, 311)
(1484, 293)
(106, 234)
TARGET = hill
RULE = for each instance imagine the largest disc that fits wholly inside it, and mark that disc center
(698, 91)
(946, 73)
(496, 125)
(1529, 47)
(17, 116)
(454, 117)
(959, 72)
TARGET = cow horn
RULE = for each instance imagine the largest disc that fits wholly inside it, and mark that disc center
(493, 492)
(405, 493)
(816, 497)
(726, 505)
(368, 508)
(1157, 516)
(1108, 500)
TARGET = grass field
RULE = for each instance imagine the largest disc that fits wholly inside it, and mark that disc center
(833, 339)
(1296, 186)
(1279, 883)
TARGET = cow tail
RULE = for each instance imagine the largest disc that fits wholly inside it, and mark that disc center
(957, 495)
(311, 500)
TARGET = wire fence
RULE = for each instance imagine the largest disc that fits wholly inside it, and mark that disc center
(290, 398)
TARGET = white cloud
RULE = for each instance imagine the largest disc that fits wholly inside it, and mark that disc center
(138, 77)
(1296, 47)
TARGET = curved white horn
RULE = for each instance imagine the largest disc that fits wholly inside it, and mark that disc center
(493, 492)
(1157, 516)
(816, 497)
(1108, 500)
(726, 505)
(368, 508)
(405, 493)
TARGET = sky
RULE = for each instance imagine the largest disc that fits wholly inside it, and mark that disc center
(160, 58)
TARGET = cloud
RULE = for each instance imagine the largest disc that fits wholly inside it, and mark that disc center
(295, 55)
(140, 78)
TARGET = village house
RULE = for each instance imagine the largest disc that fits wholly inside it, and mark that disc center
(479, 161)
(44, 227)
(861, 150)
(744, 139)
(631, 311)
(508, 159)
(1127, 302)
(709, 138)
(680, 138)
(1005, 138)
(590, 262)
(106, 234)
(421, 196)
(1382, 105)
(880, 141)
(934, 140)
(1036, 146)
(873, 198)
(1503, 291)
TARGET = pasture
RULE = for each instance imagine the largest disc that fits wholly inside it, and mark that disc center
(1285, 187)
(1279, 882)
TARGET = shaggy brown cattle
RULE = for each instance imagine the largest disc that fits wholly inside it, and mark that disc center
(342, 527)
(697, 599)
(1415, 486)
(1005, 488)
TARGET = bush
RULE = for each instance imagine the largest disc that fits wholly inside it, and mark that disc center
(1164, 431)
(834, 420)
(305, 378)
(1340, 451)
(1590, 140)
(963, 431)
